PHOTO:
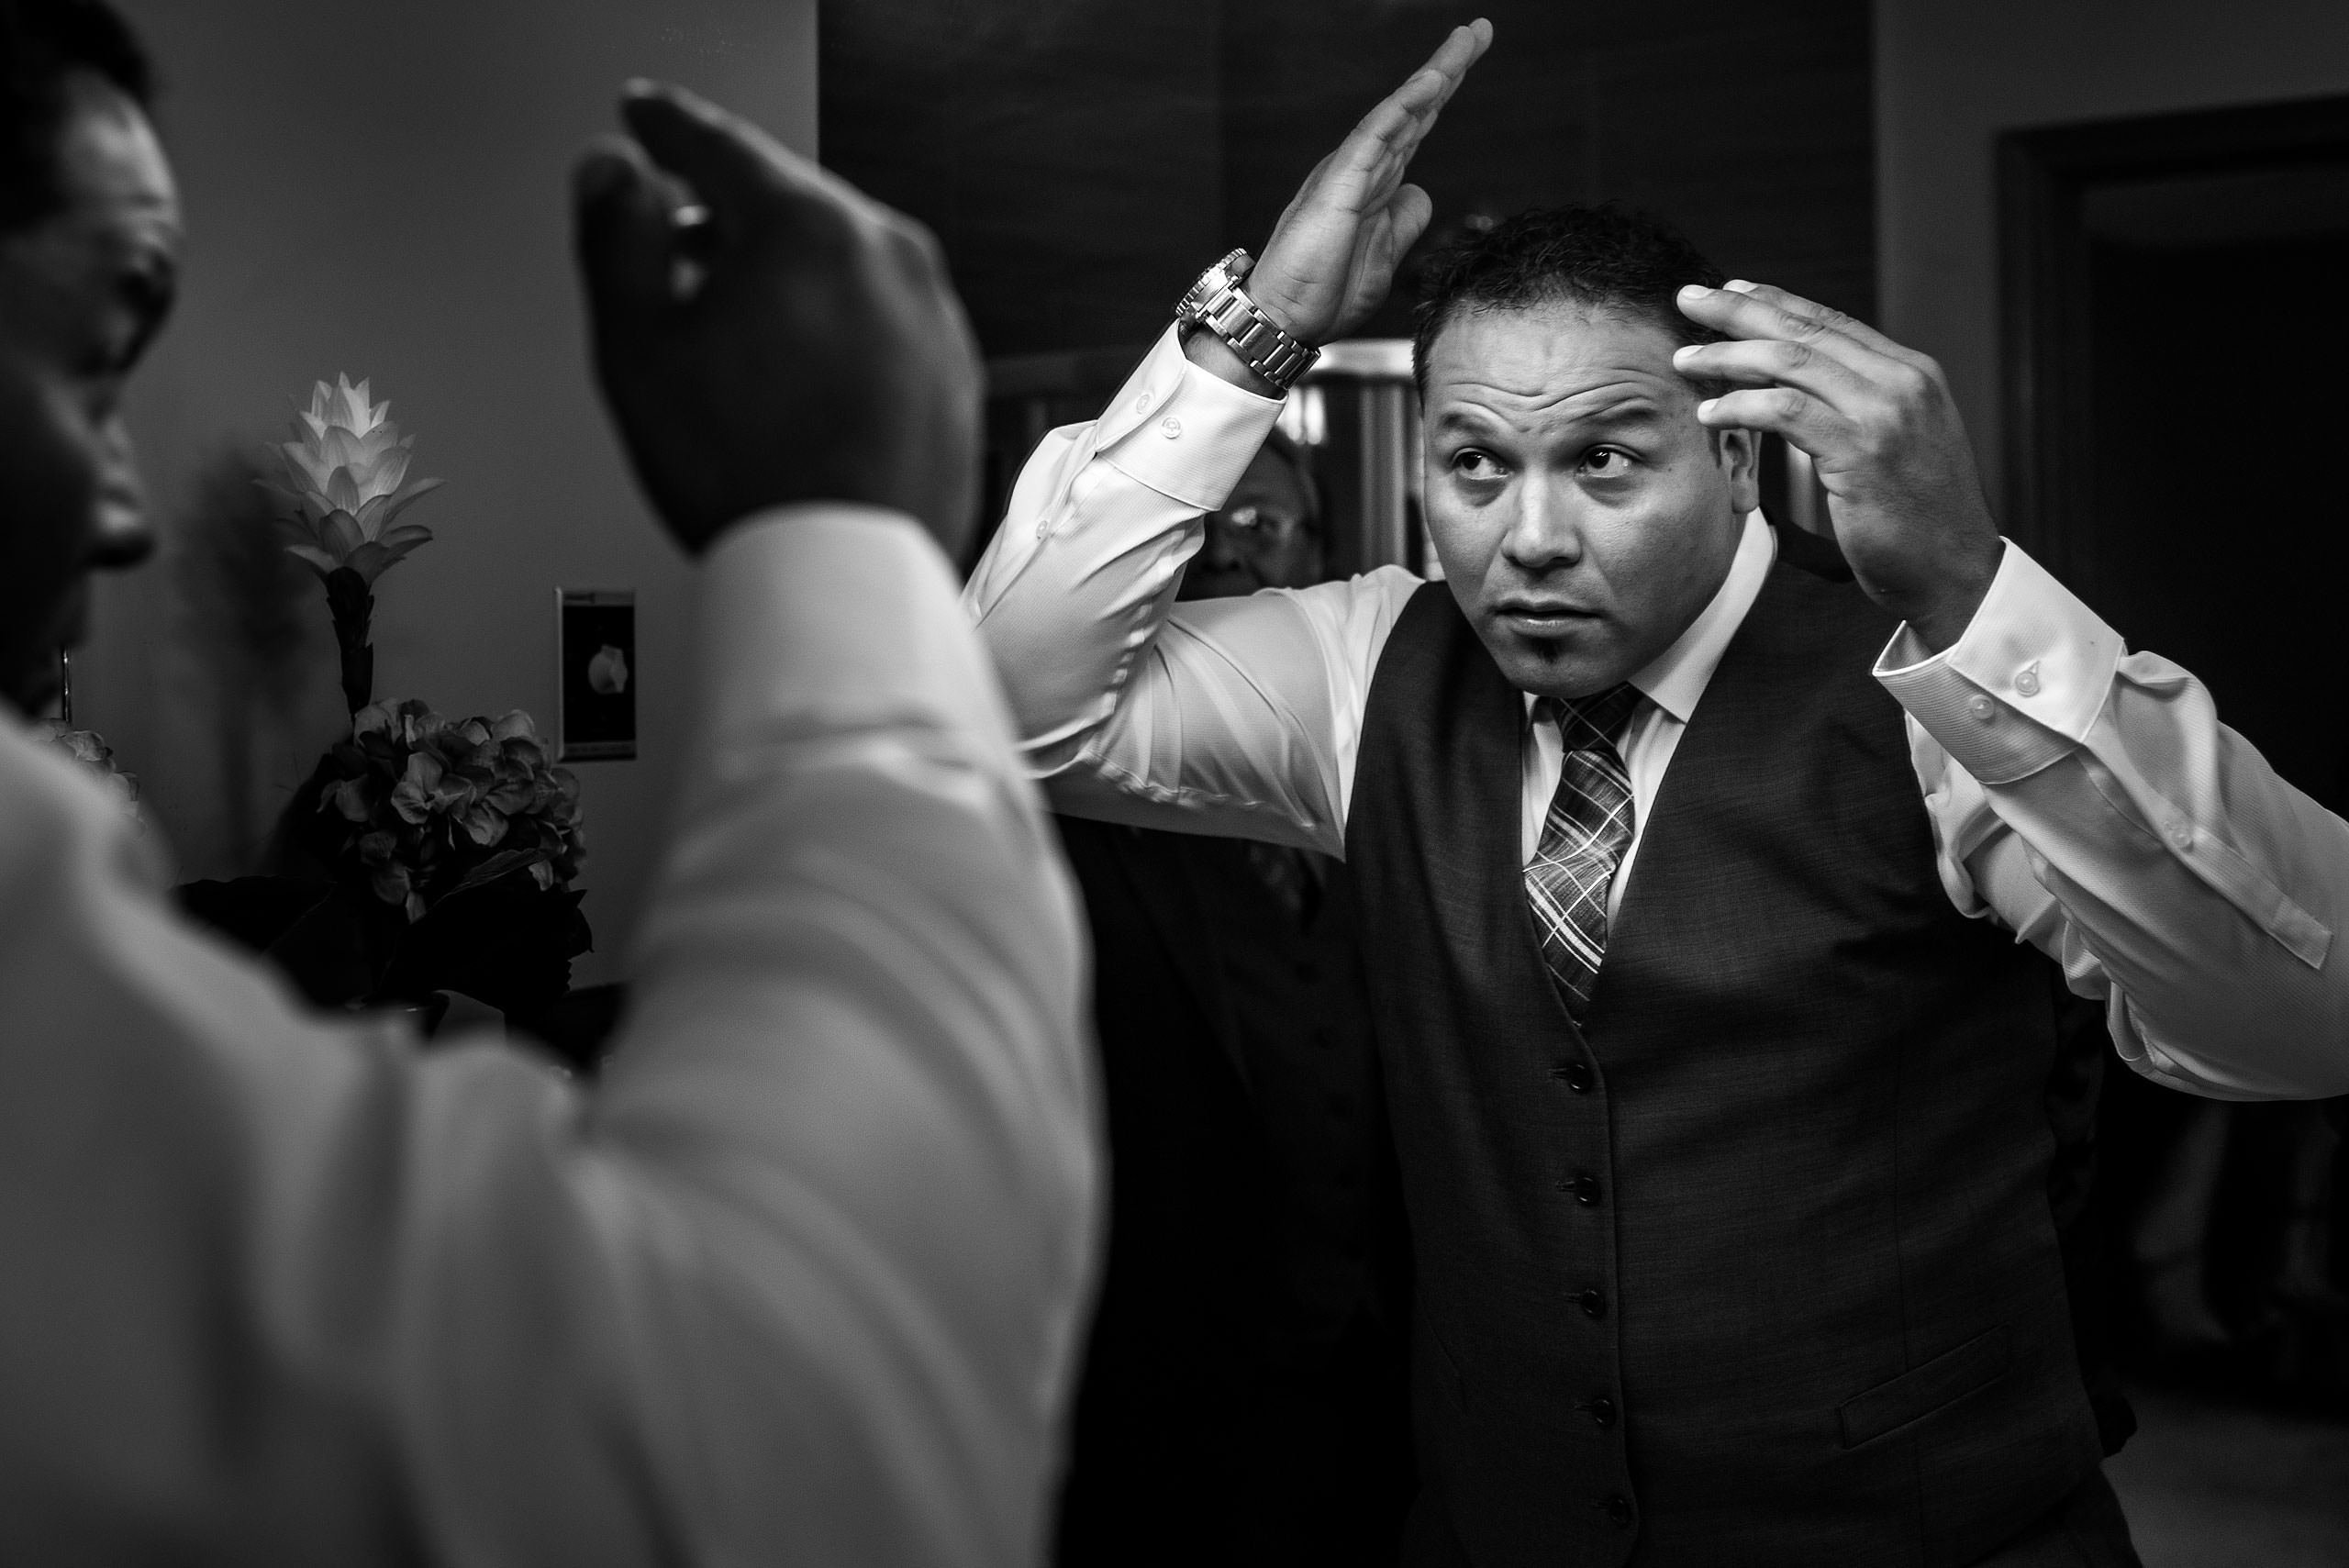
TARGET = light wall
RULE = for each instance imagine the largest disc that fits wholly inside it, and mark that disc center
(381, 189)
(1952, 74)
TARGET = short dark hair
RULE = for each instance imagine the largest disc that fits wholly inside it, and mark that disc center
(1607, 258)
(44, 44)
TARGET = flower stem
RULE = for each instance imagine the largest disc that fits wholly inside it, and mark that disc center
(352, 606)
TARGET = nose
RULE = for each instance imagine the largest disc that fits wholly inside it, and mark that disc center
(120, 534)
(1543, 536)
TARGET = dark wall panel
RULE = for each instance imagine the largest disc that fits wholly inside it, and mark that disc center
(1066, 151)
(1748, 125)
(1082, 159)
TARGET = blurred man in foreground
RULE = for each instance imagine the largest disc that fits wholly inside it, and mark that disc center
(1243, 1400)
(799, 1281)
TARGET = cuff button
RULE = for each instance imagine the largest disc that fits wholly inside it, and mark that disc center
(2180, 835)
(1170, 427)
(2027, 680)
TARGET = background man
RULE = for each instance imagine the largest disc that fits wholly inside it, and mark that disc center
(800, 1280)
(1718, 1073)
(1244, 1397)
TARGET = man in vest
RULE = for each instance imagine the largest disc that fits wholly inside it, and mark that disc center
(1707, 905)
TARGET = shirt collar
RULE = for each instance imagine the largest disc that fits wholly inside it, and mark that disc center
(1675, 679)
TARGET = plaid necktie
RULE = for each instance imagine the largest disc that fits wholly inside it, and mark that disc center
(1583, 839)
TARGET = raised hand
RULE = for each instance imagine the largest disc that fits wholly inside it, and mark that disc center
(1880, 425)
(1333, 254)
(790, 341)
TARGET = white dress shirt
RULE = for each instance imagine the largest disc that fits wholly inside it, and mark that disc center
(2082, 796)
(800, 1280)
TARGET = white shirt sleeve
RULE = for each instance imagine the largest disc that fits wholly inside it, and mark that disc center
(800, 1280)
(1237, 717)
(2090, 799)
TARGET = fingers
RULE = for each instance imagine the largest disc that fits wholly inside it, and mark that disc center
(741, 171)
(1772, 362)
(622, 234)
(1450, 62)
(1827, 316)
(1410, 209)
(1805, 421)
(1757, 311)
(1381, 145)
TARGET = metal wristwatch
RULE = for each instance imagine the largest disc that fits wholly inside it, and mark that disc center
(1218, 302)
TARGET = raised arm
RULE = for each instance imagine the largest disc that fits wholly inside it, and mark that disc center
(2088, 797)
(801, 1279)
(1235, 716)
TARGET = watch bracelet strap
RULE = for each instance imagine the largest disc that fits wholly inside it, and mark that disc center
(1258, 340)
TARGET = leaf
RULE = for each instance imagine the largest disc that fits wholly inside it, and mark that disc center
(490, 870)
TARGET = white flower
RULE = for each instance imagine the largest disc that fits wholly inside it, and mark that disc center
(346, 480)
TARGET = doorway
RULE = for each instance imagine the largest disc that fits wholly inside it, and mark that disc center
(2173, 456)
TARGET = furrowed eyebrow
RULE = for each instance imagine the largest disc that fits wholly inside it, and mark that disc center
(1631, 413)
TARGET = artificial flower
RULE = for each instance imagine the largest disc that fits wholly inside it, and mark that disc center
(346, 478)
(418, 807)
(89, 749)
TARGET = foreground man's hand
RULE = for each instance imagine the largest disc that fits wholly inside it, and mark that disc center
(800, 343)
(1332, 256)
(1878, 421)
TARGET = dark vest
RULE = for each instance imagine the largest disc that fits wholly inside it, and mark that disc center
(1757, 1267)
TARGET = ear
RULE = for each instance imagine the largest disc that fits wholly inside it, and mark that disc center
(1740, 453)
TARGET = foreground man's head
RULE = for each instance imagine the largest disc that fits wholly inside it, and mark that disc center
(89, 240)
(1584, 517)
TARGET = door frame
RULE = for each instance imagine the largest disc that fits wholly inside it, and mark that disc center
(2044, 177)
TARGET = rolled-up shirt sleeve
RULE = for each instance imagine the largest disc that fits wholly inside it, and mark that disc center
(2090, 799)
(799, 1279)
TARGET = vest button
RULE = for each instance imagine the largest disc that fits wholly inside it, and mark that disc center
(1586, 1188)
(1574, 1076)
(1618, 1510)
(1593, 1303)
(1602, 1410)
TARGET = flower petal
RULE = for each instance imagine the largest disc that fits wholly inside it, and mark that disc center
(340, 533)
(400, 503)
(307, 464)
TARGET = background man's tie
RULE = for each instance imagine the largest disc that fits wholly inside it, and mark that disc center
(1583, 839)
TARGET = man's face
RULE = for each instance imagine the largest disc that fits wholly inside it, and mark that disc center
(80, 294)
(1582, 516)
(1265, 537)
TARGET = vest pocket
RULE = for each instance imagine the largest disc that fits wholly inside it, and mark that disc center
(1921, 1391)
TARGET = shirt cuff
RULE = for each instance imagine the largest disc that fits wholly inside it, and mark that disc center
(2024, 685)
(1185, 432)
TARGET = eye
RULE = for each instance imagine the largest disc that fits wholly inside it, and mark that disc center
(1474, 463)
(1245, 518)
(1607, 462)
